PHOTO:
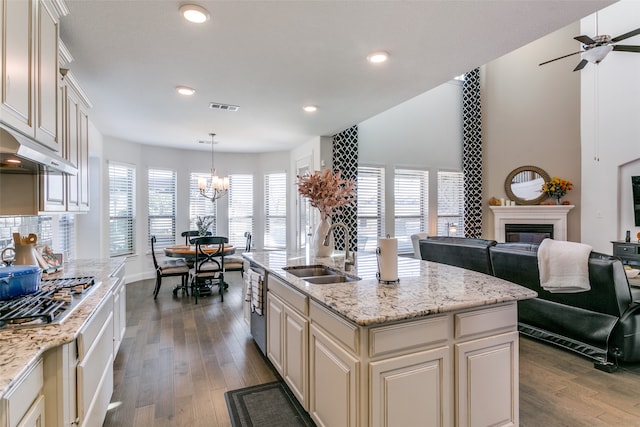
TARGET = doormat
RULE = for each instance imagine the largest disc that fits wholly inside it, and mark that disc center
(266, 405)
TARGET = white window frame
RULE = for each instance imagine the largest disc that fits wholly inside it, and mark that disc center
(275, 210)
(367, 192)
(161, 203)
(450, 203)
(241, 214)
(200, 205)
(124, 208)
(411, 205)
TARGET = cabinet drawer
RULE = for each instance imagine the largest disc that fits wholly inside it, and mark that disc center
(19, 399)
(345, 332)
(92, 327)
(292, 297)
(472, 323)
(625, 250)
(404, 336)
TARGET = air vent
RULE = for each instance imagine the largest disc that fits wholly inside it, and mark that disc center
(225, 107)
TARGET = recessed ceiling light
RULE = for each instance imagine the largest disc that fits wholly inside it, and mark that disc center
(185, 90)
(194, 13)
(310, 108)
(378, 57)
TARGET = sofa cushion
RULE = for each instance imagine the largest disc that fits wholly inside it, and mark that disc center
(472, 254)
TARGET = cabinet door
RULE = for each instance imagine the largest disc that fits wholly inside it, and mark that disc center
(296, 344)
(35, 416)
(53, 195)
(18, 89)
(412, 390)
(119, 315)
(333, 382)
(83, 158)
(72, 106)
(275, 320)
(487, 381)
(46, 131)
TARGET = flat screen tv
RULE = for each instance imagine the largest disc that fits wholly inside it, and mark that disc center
(635, 185)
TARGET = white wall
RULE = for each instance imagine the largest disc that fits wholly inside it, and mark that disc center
(424, 132)
(610, 119)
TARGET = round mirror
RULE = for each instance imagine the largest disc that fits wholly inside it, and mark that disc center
(523, 185)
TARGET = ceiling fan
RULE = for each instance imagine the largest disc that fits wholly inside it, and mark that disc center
(596, 48)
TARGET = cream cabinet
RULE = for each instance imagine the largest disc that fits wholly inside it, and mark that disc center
(119, 311)
(23, 405)
(30, 78)
(334, 386)
(287, 337)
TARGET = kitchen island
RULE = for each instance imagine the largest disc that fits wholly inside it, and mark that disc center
(438, 348)
(40, 365)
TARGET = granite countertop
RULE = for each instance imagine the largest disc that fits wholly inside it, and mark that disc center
(20, 347)
(425, 287)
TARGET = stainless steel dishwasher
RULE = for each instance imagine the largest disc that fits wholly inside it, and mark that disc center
(258, 277)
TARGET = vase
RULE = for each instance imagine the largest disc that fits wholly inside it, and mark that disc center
(558, 202)
(322, 229)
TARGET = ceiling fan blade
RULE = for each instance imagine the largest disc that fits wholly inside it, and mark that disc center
(561, 57)
(585, 39)
(626, 35)
(626, 48)
(581, 65)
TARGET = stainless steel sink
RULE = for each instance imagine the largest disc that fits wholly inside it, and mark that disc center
(310, 270)
(319, 274)
(334, 278)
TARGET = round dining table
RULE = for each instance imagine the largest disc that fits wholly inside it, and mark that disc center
(188, 252)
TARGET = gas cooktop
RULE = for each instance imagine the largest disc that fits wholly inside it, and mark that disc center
(55, 300)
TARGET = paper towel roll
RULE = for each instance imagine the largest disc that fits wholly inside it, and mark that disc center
(388, 258)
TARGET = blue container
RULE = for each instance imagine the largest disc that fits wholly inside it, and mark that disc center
(19, 280)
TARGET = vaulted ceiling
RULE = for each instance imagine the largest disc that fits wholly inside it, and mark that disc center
(273, 57)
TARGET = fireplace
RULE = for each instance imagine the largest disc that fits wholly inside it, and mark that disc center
(527, 233)
(554, 216)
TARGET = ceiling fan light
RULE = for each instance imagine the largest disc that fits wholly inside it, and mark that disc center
(378, 57)
(597, 54)
(185, 90)
(194, 13)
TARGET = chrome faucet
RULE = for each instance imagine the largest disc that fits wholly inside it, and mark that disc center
(347, 259)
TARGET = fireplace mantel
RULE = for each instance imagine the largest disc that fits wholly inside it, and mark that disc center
(537, 214)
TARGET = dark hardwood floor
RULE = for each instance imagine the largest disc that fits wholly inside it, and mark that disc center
(178, 359)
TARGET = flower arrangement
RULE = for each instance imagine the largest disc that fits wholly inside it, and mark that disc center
(556, 188)
(327, 191)
(203, 223)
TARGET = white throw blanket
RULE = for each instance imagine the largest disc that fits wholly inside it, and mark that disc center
(254, 290)
(564, 266)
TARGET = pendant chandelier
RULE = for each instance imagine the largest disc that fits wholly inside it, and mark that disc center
(217, 186)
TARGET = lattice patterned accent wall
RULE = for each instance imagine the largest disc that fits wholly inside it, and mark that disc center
(345, 159)
(472, 154)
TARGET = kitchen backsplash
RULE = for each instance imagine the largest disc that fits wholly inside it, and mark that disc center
(44, 227)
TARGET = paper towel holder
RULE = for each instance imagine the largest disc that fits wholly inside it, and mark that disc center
(384, 282)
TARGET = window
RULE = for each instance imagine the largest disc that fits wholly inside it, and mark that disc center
(122, 209)
(162, 207)
(450, 203)
(370, 207)
(198, 205)
(411, 194)
(240, 208)
(275, 215)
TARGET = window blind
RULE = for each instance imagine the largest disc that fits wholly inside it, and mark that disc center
(198, 205)
(411, 194)
(240, 208)
(275, 215)
(162, 206)
(121, 209)
(450, 203)
(370, 192)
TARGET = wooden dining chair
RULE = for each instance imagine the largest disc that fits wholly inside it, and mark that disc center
(236, 262)
(169, 268)
(209, 265)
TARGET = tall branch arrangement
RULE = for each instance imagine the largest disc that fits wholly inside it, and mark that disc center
(327, 191)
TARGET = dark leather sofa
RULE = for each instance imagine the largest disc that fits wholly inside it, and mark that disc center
(602, 323)
(472, 254)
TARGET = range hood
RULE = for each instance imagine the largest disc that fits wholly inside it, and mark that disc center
(23, 155)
